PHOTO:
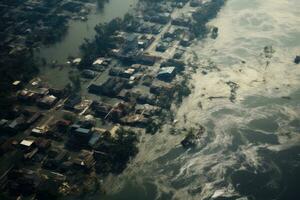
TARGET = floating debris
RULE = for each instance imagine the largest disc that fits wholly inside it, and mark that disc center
(297, 60)
(233, 88)
(191, 139)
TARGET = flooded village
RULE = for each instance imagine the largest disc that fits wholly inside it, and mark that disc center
(63, 141)
(83, 84)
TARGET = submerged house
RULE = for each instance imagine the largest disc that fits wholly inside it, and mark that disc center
(79, 137)
(72, 101)
(47, 101)
(112, 87)
(166, 74)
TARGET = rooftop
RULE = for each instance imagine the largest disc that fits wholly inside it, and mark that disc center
(27, 143)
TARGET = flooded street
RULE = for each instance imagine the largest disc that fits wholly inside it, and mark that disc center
(248, 101)
(79, 30)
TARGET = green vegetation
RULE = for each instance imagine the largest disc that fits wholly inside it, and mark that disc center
(205, 13)
(70, 117)
(119, 149)
(182, 90)
(76, 82)
(14, 67)
(102, 42)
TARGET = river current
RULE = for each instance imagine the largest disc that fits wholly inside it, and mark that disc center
(251, 147)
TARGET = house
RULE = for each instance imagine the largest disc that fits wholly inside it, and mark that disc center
(162, 46)
(85, 160)
(74, 127)
(137, 67)
(182, 21)
(119, 111)
(27, 143)
(186, 40)
(39, 131)
(55, 159)
(145, 41)
(82, 133)
(28, 147)
(18, 124)
(16, 85)
(100, 64)
(41, 92)
(166, 74)
(135, 120)
(111, 87)
(26, 96)
(89, 74)
(94, 139)
(63, 125)
(146, 99)
(34, 118)
(148, 110)
(76, 61)
(130, 44)
(78, 137)
(127, 73)
(162, 89)
(47, 101)
(172, 33)
(43, 144)
(100, 109)
(115, 71)
(178, 53)
(178, 64)
(125, 95)
(145, 59)
(156, 28)
(113, 131)
(72, 101)
(160, 18)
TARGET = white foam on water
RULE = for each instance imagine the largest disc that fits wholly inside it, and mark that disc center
(245, 28)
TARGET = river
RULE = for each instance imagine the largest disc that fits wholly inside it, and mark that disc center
(79, 30)
(251, 148)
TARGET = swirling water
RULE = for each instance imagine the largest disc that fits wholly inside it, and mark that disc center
(251, 149)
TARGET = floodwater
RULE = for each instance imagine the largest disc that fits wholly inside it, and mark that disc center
(79, 30)
(251, 149)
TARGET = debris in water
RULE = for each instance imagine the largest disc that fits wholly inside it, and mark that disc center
(191, 139)
(214, 32)
(297, 60)
(233, 88)
(269, 51)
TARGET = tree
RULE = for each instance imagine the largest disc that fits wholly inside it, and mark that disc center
(76, 83)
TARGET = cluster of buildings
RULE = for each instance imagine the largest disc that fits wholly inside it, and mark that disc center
(27, 23)
(53, 136)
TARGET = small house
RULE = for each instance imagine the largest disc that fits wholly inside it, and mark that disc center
(47, 101)
(166, 74)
